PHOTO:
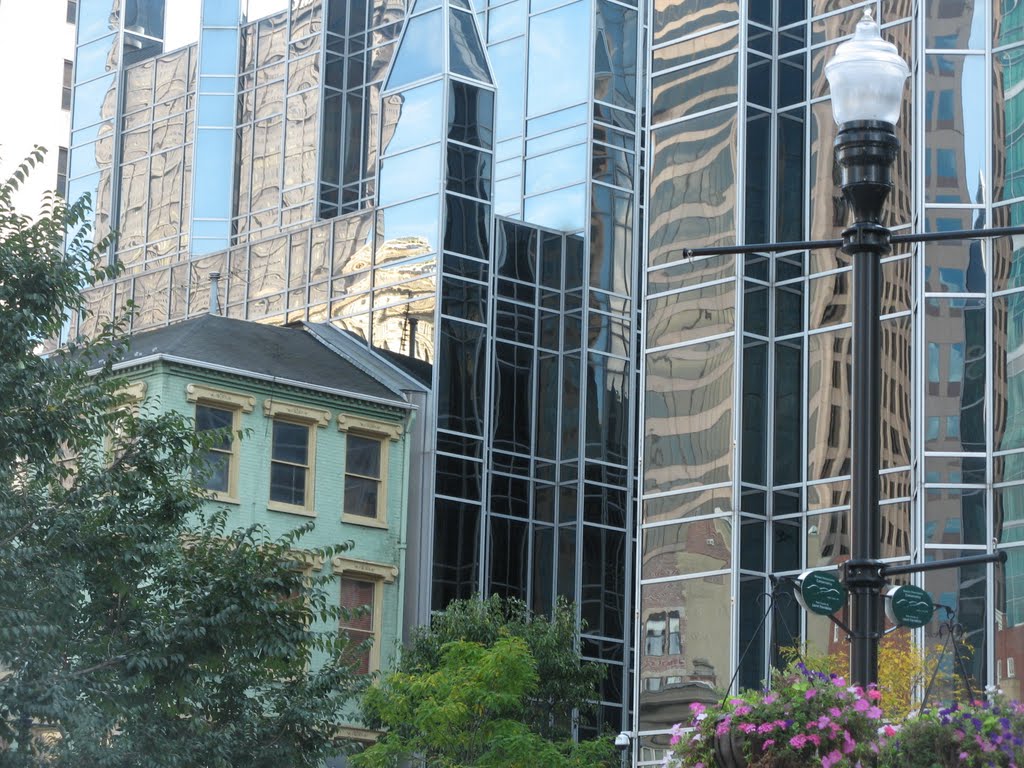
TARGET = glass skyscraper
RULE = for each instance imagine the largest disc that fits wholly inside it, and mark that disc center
(504, 190)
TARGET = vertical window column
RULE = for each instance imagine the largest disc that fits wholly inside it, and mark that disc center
(214, 164)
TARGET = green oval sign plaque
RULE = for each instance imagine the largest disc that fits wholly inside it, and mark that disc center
(908, 606)
(820, 592)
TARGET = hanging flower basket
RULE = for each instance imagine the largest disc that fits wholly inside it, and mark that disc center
(729, 746)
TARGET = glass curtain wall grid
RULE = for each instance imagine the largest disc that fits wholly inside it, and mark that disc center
(741, 151)
(451, 203)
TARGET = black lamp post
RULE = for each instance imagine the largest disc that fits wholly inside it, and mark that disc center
(866, 78)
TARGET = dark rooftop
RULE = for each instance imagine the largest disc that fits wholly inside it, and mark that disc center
(265, 350)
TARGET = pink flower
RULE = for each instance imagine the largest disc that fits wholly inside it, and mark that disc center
(810, 694)
(771, 698)
(861, 705)
(747, 727)
(889, 730)
(848, 743)
(873, 713)
(815, 739)
(696, 707)
(798, 741)
(831, 759)
(836, 712)
(765, 728)
(744, 710)
(839, 682)
(874, 694)
(823, 722)
(767, 743)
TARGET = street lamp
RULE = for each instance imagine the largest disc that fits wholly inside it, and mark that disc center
(866, 78)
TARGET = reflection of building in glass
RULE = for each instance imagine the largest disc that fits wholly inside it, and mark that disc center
(351, 162)
(741, 147)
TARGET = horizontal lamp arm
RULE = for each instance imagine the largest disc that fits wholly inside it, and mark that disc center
(814, 245)
(939, 565)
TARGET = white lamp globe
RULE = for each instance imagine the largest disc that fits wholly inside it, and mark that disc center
(866, 76)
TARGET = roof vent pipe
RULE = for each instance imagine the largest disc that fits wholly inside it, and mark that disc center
(215, 293)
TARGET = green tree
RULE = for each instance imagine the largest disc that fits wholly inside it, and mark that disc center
(134, 630)
(488, 685)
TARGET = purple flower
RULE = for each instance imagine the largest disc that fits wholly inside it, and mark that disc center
(798, 741)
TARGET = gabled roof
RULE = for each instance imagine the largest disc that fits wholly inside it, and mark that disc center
(289, 356)
(401, 373)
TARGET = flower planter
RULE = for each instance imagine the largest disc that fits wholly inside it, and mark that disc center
(729, 749)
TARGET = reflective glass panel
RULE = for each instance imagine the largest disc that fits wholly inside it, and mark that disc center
(556, 45)
(419, 55)
(688, 419)
(465, 53)
(694, 89)
(615, 55)
(681, 18)
(1008, 348)
(411, 224)
(693, 185)
(686, 548)
(409, 175)
(556, 169)
(955, 128)
(687, 316)
(1008, 108)
(829, 366)
(562, 209)
(954, 373)
(218, 51)
(507, 61)
(417, 118)
(685, 643)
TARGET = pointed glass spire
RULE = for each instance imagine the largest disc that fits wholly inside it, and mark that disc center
(435, 27)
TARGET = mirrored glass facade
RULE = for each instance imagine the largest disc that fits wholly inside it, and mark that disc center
(501, 192)
(748, 359)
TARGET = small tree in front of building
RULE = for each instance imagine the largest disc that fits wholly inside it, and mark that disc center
(134, 629)
(488, 684)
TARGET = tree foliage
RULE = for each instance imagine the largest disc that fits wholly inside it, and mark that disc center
(487, 685)
(134, 629)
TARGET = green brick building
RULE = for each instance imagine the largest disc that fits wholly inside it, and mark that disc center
(326, 430)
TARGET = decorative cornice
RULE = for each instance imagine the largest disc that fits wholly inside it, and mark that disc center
(379, 571)
(201, 393)
(318, 416)
(349, 423)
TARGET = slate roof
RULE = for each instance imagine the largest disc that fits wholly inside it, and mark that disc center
(243, 347)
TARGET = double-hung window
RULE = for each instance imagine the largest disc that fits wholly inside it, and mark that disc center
(293, 455)
(290, 466)
(362, 602)
(365, 470)
(218, 415)
(363, 479)
(358, 598)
